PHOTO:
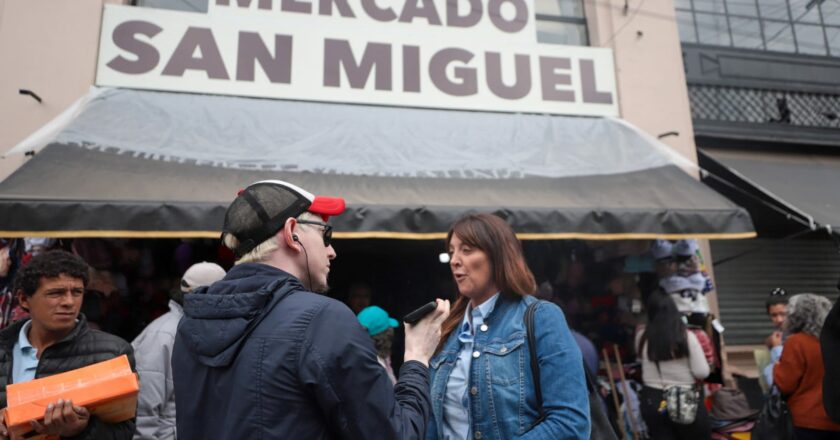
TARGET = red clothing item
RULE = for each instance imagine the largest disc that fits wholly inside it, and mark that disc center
(708, 346)
(799, 376)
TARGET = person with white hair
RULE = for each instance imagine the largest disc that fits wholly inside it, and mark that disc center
(800, 371)
(153, 351)
(262, 354)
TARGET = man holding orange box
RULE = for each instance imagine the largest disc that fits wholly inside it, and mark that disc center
(57, 339)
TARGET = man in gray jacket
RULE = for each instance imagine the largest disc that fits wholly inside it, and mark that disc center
(153, 350)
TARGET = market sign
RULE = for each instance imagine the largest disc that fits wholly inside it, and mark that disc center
(455, 54)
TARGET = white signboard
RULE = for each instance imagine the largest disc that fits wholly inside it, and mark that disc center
(415, 59)
(438, 19)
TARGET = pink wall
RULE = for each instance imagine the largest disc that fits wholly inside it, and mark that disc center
(50, 47)
(649, 67)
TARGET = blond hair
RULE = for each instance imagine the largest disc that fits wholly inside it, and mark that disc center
(263, 250)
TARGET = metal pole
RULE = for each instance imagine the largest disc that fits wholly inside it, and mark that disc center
(627, 400)
(614, 391)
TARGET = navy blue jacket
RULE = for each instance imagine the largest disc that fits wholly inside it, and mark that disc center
(259, 357)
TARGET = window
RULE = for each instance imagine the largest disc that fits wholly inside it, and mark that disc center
(561, 22)
(810, 27)
(779, 36)
(712, 29)
(833, 37)
(746, 33)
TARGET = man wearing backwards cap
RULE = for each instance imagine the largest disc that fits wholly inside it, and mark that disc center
(153, 351)
(259, 355)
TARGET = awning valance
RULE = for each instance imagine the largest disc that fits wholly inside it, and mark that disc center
(806, 184)
(153, 164)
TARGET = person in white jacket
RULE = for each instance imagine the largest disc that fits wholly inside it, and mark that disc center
(153, 351)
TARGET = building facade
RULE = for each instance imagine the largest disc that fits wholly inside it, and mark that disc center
(673, 68)
(764, 87)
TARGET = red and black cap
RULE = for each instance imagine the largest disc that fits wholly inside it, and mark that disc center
(261, 209)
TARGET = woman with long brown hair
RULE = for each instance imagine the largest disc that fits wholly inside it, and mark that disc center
(482, 385)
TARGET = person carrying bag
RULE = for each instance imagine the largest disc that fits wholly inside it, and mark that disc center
(672, 364)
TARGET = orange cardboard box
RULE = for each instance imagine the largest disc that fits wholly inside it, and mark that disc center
(107, 389)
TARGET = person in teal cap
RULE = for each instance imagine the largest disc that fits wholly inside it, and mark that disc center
(380, 327)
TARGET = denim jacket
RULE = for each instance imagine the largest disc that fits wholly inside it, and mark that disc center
(503, 403)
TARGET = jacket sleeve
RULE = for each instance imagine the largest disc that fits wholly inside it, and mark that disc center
(791, 367)
(154, 367)
(338, 364)
(99, 430)
(565, 396)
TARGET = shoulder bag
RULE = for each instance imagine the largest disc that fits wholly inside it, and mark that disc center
(775, 422)
(601, 427)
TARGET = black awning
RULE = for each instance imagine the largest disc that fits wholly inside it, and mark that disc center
(807, 185)
(71, 191)
(154, 164)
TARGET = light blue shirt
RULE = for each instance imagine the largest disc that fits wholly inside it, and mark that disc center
(456, 403)
(775, 355)
(24, 357)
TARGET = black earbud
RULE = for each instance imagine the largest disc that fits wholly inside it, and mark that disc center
(295, 238)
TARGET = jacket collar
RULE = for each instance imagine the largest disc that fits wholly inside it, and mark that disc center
(9, 335)
(506, 304)
(175, 307)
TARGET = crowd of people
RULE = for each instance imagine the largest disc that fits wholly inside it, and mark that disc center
(260, 352)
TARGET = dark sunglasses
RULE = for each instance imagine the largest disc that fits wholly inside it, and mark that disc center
(327, 230)
(778, 292)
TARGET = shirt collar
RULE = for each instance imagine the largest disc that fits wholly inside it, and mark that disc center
(23, 336)
(481, 312)
(486, 307)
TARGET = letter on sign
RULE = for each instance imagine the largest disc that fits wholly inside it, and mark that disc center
(184, 57)
(469, 20)
(589, 88)
(551, 78)
(468, 84)
(338, 54)
(277, 68)
(494, 9)
(521, 87)
(125, 38)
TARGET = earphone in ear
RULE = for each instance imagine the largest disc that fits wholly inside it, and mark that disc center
(295, 238)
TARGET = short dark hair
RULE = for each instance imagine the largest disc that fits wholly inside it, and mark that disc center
(50, 264)
(383, 341)
(777, 296)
